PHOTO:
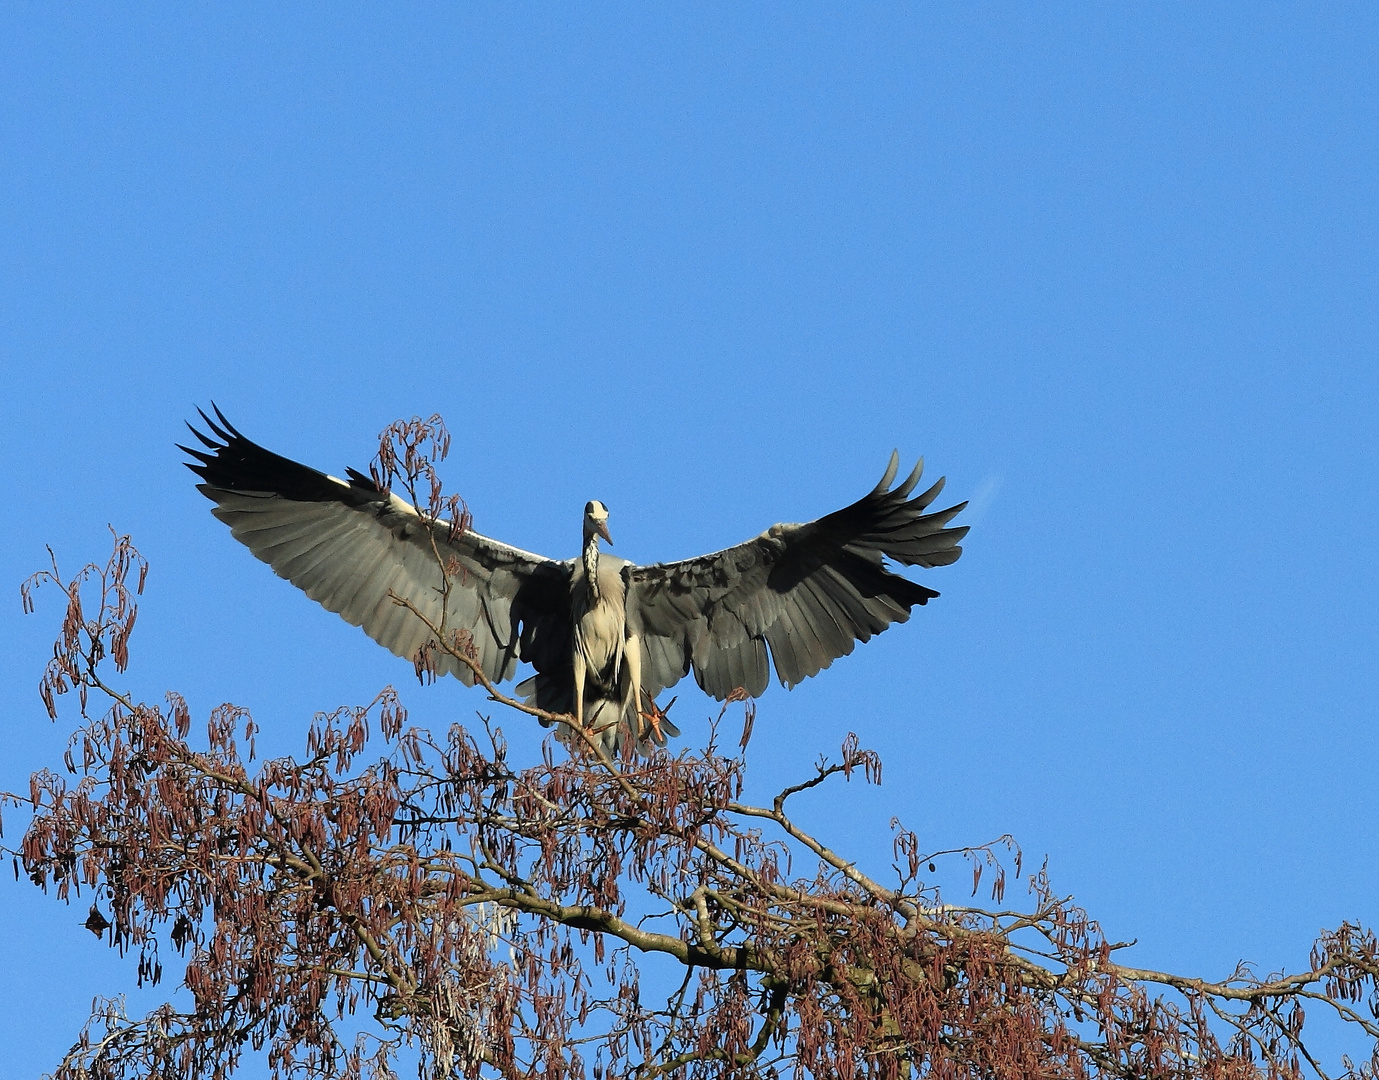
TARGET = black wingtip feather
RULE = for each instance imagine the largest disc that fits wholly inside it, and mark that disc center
(892, 467)
(239, 464)
(225, 423)
(200, 456)
(924, 498)
(205, 441)
(218, 432)
(903, 491)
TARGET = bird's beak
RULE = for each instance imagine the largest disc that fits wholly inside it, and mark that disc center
(603, 532)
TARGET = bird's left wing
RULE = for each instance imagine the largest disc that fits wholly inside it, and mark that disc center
(807, 592)
(353, 548)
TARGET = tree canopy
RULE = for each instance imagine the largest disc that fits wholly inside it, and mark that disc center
(396, 896)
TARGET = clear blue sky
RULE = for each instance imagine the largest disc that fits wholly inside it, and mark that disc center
(1112, 269)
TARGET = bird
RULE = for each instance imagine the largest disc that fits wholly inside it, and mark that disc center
(605, 636)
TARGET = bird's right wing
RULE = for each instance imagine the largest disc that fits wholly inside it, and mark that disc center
(353, 548)
(807, 592)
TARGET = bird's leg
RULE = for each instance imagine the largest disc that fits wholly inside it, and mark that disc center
(632, 653)
(651, 719)
(578, 664)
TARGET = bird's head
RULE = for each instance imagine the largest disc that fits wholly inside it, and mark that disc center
(596, 521)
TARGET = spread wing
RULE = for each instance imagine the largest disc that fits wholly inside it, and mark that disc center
(806, 593)
(352, 547)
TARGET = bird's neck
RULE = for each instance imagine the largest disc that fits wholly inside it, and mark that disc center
(591, 566)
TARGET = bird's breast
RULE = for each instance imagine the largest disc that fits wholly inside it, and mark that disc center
(599, 633)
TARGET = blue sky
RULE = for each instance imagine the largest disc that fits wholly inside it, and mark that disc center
(1112, 270)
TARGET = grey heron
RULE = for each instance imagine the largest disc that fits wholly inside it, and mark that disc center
(604, 635)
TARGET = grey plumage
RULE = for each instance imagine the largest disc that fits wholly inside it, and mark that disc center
(797, 595)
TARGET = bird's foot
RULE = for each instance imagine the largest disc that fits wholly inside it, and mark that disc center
(652, 721)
